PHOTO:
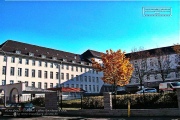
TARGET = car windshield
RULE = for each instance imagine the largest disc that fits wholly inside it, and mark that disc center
(176, 84)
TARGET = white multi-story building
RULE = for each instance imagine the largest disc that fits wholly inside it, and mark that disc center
(44, 68)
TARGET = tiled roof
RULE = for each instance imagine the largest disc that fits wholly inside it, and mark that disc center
(67, 89)
(12, 46)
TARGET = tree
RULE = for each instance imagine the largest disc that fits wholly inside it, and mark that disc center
(139, 59)
(176, 48)
(116, 68)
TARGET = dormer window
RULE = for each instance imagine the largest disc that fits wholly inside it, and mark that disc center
(43, 56)
(82, 63)
(54, 58)
(18, 52)
(90, 64)
(64, 59)
(31, 54)
(73, 61)
(74, 57)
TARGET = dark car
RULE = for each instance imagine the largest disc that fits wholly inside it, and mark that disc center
(17, 109)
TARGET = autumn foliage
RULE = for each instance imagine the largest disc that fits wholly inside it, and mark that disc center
(116, 68)
(176, 48)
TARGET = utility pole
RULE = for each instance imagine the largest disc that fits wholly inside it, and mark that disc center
(59, 86)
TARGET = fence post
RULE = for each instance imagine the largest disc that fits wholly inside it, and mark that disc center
(107, 100)
(178, 96)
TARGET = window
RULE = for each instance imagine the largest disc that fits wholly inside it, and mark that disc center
(77, 85)
(62, 76)
(51, 75)
(45, 74)
(89, 87)
(11, 81)
(51, 85)
(93, 79)
(33, 84)
(94, 88)
(12, 71)
(89, 70)
(26, 72)
(33, 73)
(62, 85)
(5, 58)
(72, 77)
(4, 70)
(85, 87)
(89, 78)
(51, 65)
(20, 60)
(19, 71)
(18, 52)
(81, 78)
(3, 82)
(40, 63)
(27, 62)
(177, 74)
(72, 68)
(85, 78)
(72, 85)
(39, 85)
(81, 86)
(39, 73)
(97, 88)
(56, 65)
(67, 85)
(33, 62)
(12, 59)
(76, 69)
(45, 85)
(97, 79)
(77, 79)
(84, 69)
(93, 71)
(45, 64)
(67, 67)
(96, 72)
(67, 76)
(57, 75)
(26, 83)
(81, 69)
(62, 66)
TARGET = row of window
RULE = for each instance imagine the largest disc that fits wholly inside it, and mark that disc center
(33, 74)
(51, 65)
(33, 84)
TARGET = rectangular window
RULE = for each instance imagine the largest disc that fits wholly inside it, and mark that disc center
(81, 86)
(45, 64)
(76, 69)
(45, 85)
(81, 69)
(67, 85)
(3, 82)
(85, 78)
(11, 81)
(89, 78)
(72, 85)
(39, 85)
(51, 85)
(90, 88)
(12, 59)
(5, 58)
(26, 83)
(77, 85)
(20, 60)
(62, 66)
(51, 65)
(26, 72)
(93, 71)
(77, 78)
(33, 62)
(97, 88)
(62, 76)
(97, 79)
(67, 67)
(40, 63)
(12, 71)
(67, 76)
(45, 74)
(72, 77)
(72, 68)
(57, 75)
(85, 87)
(19, 71)
(19, 81)
(51, 75)
(81, 78)
(33, 84)
(4, 70)
(27, 62)
(93, 79)
(33, 73)
(39, 73)
(94, 88)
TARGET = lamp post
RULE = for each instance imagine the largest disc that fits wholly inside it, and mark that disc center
(5, 77)
(59, 86)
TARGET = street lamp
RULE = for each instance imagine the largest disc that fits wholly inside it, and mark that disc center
(5, 76)
(59, 85)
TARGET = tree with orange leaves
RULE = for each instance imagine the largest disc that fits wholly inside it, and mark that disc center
(176, 48)
(116, 68)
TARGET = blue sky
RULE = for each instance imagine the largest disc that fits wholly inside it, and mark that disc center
(97, 25)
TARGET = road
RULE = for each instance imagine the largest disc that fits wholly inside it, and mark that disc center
(86, 118)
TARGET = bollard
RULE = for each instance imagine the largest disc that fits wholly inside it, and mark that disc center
(129, 112)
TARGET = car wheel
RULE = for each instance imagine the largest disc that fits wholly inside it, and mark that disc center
(15, 114)
(1, 113)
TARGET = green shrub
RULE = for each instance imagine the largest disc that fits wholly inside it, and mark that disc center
(40, 101)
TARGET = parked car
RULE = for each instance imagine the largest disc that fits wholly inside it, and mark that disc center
(169, 86)
(17, 109)
(147, 90)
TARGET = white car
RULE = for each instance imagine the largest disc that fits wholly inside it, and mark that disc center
(147, 90)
